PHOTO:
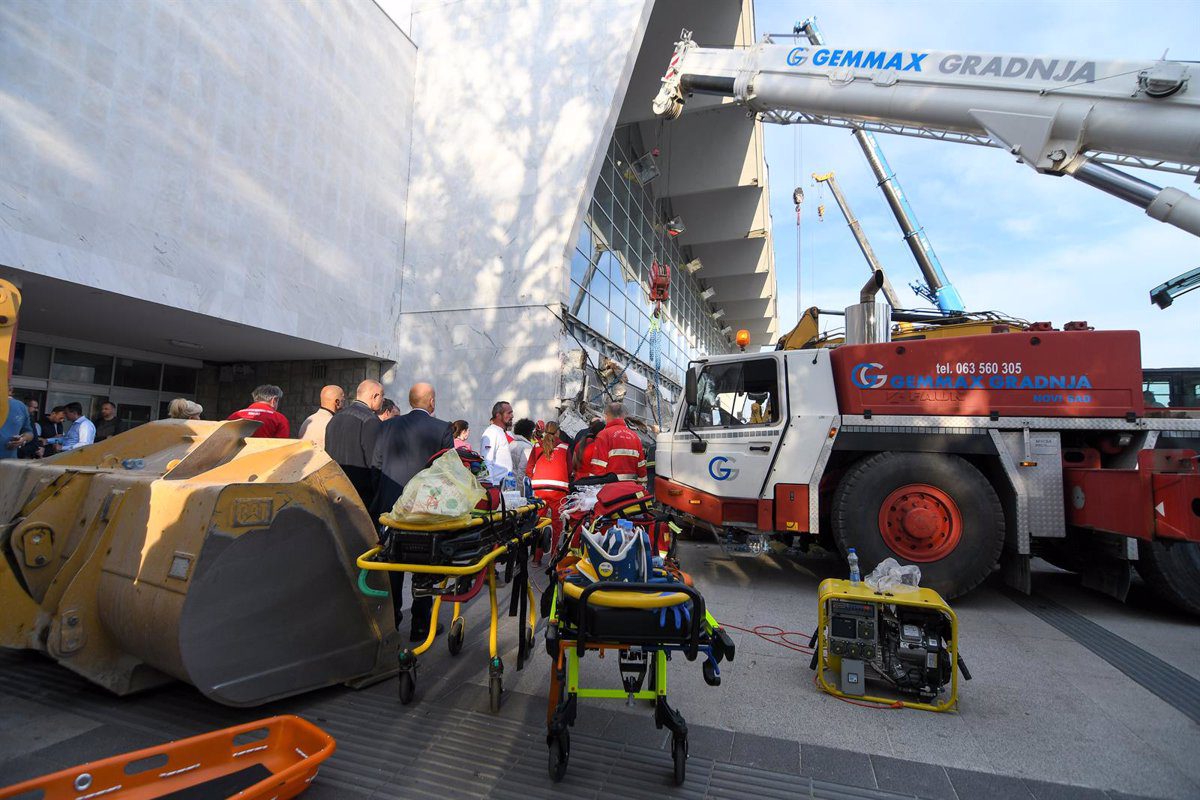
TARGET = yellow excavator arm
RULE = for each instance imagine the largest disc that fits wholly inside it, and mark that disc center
(10, 304)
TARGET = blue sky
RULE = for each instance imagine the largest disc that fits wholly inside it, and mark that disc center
(1034, 246)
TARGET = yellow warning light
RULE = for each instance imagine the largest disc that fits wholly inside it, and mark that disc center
(743, 338)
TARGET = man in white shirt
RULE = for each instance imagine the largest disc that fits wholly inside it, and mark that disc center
(494, 447)
(313, 427)
(81, 433)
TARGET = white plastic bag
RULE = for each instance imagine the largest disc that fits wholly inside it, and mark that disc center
(891, 576)
(445, 491)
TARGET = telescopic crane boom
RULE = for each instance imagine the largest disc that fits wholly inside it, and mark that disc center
(937, 288)
(1059, 115)
(868, 252)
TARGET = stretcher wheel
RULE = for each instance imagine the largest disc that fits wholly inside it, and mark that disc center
(495, 687)
(560, 753)
(679, 748)
(408, 687)
(458, 632)
(711, 676)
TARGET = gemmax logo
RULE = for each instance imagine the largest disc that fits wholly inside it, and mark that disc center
(865, 375)
(861, 59)
(720, 471)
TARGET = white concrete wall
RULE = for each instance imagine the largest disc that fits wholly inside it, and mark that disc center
(244, 160)
(516, 102)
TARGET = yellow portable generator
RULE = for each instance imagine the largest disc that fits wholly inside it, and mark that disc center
(887, 647)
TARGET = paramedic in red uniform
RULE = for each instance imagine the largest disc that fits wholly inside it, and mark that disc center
(618, 450)
(265, 409)
(549, 477)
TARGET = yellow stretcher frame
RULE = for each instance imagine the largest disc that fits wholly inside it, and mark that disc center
(487, 562)
(840, 589)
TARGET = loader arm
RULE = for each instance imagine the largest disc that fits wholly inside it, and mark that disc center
(10, 306)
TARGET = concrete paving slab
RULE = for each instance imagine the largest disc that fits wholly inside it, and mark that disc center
(909, 777)
(982, 786)
(761, 752)
(837, 766)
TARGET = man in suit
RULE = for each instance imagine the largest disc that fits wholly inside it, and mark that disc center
(351, 435)
(404, 445)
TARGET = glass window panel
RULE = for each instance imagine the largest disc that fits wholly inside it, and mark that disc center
(616, 304)
(179, 380)
(579, 265)
(136, 374)
(80, 367)
(600, 287)
(31, 360)
(616, 332)
(585, 237)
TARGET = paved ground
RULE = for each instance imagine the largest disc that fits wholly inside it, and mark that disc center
(1045, 717)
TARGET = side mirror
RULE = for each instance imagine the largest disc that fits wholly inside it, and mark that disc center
(689, 386)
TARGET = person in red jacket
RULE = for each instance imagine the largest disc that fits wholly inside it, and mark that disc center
(550, 481)
(618, 450)
(265, 409)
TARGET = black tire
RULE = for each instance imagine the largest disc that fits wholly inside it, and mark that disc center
(711, 677)
(860, 495)
(560, 754)
(458, 632)
(1172, 571)
(495, 689)
(679, 748)
(408, 687)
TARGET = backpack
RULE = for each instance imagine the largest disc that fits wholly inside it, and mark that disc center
(622, 499)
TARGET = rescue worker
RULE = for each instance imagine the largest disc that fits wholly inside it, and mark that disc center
(549, 476)
(582, 450)
(618, 450)
(265, 409)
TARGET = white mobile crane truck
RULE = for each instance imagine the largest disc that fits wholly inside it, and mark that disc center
(954, 453)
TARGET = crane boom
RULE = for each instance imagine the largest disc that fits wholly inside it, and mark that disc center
(868, 252)
(937, 289)
(1059, 115)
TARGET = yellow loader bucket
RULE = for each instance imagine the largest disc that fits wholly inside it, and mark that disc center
(183, 549)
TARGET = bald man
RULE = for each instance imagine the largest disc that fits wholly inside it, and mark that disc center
(313, 427)
(350, 438)
(404, 445)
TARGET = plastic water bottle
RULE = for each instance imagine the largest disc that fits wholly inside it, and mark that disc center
(852, 559)
(509, 483)
(625, 524)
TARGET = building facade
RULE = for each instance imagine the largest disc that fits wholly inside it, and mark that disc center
(199, 200)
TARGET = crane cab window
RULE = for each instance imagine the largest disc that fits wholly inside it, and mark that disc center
(735, 395)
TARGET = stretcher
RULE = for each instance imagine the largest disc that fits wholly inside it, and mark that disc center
(272, 759)
(451, 563)
(645, 623)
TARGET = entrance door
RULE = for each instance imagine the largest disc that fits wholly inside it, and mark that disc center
(134, 407)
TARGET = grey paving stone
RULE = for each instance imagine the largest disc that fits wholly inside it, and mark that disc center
(1044, 790)
(763, 752)
(838, 766)
(1115, 795)
(971, 785)
(710, 742)
(912, 777)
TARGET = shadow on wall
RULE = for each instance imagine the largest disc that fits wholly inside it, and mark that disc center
(208, 155)
(500, 179)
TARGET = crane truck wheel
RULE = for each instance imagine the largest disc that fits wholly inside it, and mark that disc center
(1172, 571)
(930, 509)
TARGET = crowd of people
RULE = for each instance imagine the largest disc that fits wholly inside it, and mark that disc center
(379, 448)
(27, 433)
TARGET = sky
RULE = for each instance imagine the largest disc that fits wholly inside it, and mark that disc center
(1037, 247)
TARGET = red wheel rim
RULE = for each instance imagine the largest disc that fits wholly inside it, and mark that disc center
(920, 523)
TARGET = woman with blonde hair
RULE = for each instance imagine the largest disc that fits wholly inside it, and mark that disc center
(181, 408)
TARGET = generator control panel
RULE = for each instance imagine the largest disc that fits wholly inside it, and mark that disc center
(853, 629)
